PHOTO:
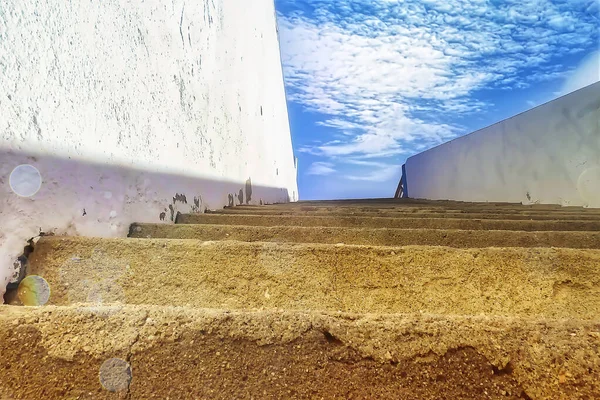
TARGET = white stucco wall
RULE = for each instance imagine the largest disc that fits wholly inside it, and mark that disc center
(547, 155)
(122, 106)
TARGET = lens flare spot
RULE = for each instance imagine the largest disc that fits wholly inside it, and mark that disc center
(115, 375)
(25, 180)
(588, 185)
(33, 291)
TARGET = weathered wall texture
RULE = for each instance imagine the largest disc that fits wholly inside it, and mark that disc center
(133, 111)
(548, 155)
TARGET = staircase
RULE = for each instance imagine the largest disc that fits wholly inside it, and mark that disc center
(371, 299)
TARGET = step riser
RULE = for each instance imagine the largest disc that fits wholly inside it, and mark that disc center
(420, 214)
(381, 222)
(520, 282)
(185, 354)
(419, 208)
(426, 204)
(366, 236)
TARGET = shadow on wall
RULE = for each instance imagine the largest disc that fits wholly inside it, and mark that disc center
(40, 193)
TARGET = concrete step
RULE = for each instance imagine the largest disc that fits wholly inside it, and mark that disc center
(396, 202)
(370, 236)
(387, 222)
(556, 283)
(475, 207)
(415, 213)
(407, 203)
(433, 203)
(182, 353)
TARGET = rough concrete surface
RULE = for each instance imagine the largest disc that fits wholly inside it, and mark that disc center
(370, 236)
(415, 212)
(439, 204)
(416, 206)
(387, 222)
(257, 312)
(552, 282)
(182, 353)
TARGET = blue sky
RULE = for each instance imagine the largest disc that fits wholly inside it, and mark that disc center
(372, 82)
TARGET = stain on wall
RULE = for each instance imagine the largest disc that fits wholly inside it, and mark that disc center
(20, 265)
(196, 208)
(248, 190)
(179, 197)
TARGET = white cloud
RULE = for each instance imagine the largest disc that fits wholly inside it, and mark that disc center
(383, 173)
(371, 144)
(343, 125)
(321, 168)
(384, 72)
(372, 171)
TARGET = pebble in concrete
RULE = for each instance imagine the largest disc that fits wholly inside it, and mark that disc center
(115, 375)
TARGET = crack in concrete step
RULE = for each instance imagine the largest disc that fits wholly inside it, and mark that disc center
(556, 282)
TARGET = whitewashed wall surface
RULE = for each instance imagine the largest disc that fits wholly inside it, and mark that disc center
(117, 111)
(548, 155)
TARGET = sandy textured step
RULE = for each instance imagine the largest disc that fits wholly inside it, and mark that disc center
(370, 236)
(415, 212)
(181, 353)
(292, 207)
(402, 203)
(398, 201)
(411, 203)
(386, 222)
(236, 275)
